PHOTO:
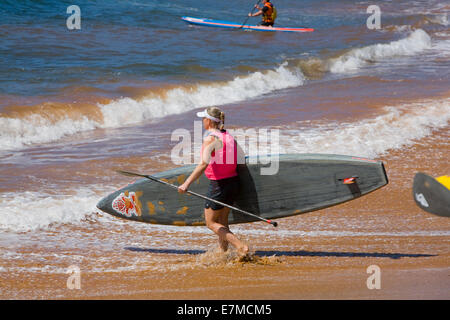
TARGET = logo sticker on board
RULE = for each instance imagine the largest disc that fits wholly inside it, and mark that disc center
(126, 204)
(421, 199)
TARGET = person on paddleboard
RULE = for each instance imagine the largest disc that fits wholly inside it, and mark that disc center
(219, 159)
(268, 12)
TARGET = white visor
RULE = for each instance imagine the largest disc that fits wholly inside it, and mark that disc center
(204, 114)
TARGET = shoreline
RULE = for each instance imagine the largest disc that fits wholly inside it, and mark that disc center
(295, 277)
(326, 259)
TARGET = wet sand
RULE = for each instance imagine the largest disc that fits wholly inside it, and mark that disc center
(328, 269)
(393, 234)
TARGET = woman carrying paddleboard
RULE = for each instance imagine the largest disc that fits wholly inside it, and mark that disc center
(219, 163)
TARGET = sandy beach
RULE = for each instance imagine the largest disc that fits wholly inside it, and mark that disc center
(403, 241)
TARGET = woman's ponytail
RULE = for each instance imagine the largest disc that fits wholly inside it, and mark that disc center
(219, 115)
(222, 120)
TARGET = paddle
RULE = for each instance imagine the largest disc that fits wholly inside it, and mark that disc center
(127, 173)
(250, 13)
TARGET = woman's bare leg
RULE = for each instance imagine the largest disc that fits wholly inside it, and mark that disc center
(217, 221)
(223, 220)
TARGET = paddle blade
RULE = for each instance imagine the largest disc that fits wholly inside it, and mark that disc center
(129, 174)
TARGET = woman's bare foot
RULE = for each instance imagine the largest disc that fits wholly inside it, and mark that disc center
(243, 250)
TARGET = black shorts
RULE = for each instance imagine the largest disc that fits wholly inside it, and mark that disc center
(267, 24)
(224, 190)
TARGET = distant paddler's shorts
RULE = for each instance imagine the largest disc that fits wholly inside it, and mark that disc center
(266, 24)
(224, 190)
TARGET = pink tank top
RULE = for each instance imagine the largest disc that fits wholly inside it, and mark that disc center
(223, 163)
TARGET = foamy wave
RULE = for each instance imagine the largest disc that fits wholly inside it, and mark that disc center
(128, 111)
(17, 133)
(398, 127)
(442, 49)
(353, 60)
(30, 211)
(441, 19)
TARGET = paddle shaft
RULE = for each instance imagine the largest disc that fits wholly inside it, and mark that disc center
(198, 195)
(250, 13)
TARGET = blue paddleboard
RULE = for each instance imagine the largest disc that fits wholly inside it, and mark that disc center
(234, 25)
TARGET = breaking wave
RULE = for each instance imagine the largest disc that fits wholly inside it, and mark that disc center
(47, 123)
(397, 127)
(43, 125)
(30, 211)
(415, 43)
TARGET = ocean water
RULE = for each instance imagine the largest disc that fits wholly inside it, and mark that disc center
(77, 104)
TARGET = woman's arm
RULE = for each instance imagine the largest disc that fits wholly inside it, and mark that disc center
(209, 145)
(259, 12)
(255, 14)
(194, 176)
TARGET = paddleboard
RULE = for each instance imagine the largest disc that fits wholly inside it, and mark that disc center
(303, 183)
(235, 25)
(432, 195)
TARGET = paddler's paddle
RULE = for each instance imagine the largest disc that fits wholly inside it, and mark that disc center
(250, 13)
(132, 174)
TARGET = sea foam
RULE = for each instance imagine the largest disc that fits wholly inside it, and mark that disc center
(28, 211)
(128, 111)
(396, 128)
(16, 133)
(355, 59)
